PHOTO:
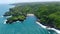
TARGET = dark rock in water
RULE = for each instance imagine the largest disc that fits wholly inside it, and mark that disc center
(20, 20)
(50, 25)
(6, 15)
(57, 28)
(11, 21)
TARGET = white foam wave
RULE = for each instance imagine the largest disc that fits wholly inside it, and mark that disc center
(58, 31)
(41, 25)
(5, 22)
(8, 16)
(54, 30)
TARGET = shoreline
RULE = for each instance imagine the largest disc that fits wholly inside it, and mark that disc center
(46, 27)
(58, 31)
(30, 14)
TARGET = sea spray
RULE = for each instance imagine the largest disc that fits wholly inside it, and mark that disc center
(5, 22)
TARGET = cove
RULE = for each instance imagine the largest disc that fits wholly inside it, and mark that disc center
(29, 26)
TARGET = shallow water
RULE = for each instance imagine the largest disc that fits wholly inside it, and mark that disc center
(29, 26)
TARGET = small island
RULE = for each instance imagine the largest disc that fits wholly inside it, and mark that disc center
(47, 13)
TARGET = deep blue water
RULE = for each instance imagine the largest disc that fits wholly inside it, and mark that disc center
(29, 26)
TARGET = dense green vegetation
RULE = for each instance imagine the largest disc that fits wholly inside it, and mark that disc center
(56, 17)
(15, 18)
(47, 13)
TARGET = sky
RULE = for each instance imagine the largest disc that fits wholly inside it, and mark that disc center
(21, 1)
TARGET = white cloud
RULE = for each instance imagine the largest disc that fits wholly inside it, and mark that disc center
(17, 1)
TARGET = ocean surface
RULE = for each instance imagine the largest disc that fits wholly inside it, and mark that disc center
(29, 26)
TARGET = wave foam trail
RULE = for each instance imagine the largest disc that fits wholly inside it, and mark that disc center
(54, 30)
(58, 31)
(41, 25)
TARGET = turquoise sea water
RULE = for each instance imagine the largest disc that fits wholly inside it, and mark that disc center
(4, 8)
(29, 26)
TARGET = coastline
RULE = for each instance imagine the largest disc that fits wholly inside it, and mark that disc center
(58, 31)
(46, 27)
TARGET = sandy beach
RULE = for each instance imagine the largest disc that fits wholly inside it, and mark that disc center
(58, 31)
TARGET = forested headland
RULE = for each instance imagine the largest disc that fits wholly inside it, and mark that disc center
(48, 13)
